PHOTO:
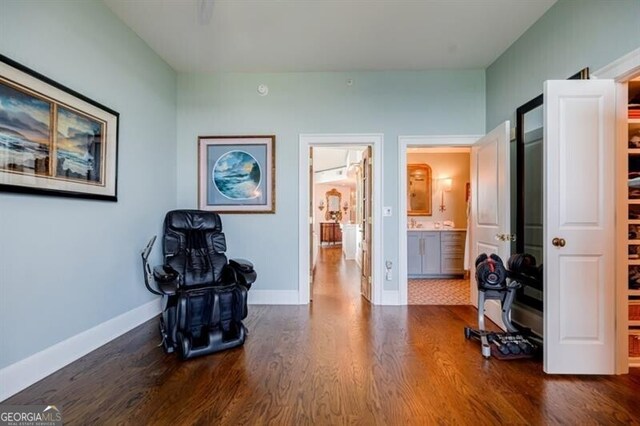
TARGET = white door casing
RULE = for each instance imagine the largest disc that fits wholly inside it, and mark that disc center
(490, 205)
(579, 209)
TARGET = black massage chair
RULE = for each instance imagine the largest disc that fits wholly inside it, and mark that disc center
(205, 296)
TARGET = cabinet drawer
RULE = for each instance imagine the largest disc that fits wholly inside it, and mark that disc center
(452, 264)
(452, 247)
(634, 310)
(458, 236)
(634, 344)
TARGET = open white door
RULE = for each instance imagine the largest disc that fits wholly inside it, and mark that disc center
(490, 205)
(312, 241)
(367, 225)
(579, 281)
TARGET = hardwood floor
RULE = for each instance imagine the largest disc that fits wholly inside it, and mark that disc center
(337, 361)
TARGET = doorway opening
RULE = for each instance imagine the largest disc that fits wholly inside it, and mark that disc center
(340, 210)
(438, 188)
(437, 198)
(340, 236)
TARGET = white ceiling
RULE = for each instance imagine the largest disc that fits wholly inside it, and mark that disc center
(328, 35)
(327, 158)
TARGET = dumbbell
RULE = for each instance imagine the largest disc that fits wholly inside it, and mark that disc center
(522, 263)
(514, 348)
(490, 272)
(526, 347)
(503, 349)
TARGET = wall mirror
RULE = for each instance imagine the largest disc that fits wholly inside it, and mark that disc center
(419, 190)
(334, 201)
(529, 186)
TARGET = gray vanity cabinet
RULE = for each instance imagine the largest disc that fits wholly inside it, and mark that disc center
(435, 253)
(452, 253)
(414, 253)
(430, 253)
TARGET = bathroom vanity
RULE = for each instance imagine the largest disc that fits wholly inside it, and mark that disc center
(435, 253)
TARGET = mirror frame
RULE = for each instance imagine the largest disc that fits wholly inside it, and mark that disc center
(534, 103)
(429, 210)
(338, 214)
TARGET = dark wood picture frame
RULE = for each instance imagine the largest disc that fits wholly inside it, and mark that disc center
(100, 164)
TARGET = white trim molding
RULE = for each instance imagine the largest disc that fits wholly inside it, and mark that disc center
(348, 139)
(404, 142)
(622, 69)
(28, 371)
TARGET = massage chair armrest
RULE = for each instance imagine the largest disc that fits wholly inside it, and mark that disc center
(244, 271)
(167, 279)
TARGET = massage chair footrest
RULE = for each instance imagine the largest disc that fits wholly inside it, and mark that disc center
(215, 340)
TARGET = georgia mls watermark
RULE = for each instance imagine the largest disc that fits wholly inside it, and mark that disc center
(30, 415)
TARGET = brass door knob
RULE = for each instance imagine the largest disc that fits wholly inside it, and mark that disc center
(558, 242)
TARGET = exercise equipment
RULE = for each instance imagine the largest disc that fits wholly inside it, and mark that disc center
(496, 282)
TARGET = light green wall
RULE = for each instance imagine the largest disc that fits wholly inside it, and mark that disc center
(392, 103)
(68, 265)
(572, 35)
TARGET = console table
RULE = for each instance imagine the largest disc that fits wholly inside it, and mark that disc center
(330, 232)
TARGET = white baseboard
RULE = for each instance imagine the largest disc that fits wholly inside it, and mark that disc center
(273, 297)
(390, 297)
(28, 371)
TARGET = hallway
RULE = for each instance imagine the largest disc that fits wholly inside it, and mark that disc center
(336, 361)
(336, 280)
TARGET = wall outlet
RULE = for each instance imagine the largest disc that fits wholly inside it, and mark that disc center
(386, 211)
(388, 265)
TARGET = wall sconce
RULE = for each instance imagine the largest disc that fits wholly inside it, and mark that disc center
(321, 205)
(345, 207)
(445, 186)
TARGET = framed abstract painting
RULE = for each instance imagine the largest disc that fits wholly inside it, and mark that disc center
(236, 174)
(54, 141)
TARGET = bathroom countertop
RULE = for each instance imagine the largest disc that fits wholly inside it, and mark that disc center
(437, 230)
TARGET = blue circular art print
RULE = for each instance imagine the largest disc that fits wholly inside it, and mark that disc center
(237, 175)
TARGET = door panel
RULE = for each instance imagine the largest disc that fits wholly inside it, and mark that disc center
(490, 204)
(580, 291)
(487, 200)
(579, 206)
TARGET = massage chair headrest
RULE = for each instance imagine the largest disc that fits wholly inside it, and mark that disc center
(184, 221)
